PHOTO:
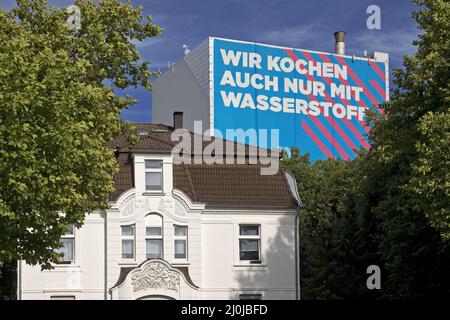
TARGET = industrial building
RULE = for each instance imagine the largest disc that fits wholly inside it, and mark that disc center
(315, 100)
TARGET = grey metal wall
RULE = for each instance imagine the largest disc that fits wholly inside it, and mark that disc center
(185, 88)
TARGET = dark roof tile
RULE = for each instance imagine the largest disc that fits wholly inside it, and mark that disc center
(217, 185)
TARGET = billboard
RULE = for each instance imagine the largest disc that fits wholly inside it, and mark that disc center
(316, 100)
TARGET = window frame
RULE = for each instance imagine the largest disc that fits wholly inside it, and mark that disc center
(181, 238)
(249, 237)
(128, 237)
(155, 237)
(154, 170)
(69, 236)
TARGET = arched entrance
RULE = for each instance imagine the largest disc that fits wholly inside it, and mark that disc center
(155, 297)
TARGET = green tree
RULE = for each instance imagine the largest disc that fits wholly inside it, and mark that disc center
(57, 113)
(8, 281)
(390, 206)
(412, 138)
(408, 185)
(336, 244)
(430, 180)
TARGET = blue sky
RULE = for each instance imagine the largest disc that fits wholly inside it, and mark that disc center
(305, 24)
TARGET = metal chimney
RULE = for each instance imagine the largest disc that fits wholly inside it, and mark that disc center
(178, 120)
(339, 36)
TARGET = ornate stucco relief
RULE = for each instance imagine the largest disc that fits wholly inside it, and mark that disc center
(155, 275)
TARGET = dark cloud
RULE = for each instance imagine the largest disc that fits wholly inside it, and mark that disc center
(306, 24)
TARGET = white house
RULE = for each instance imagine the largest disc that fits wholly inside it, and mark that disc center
(185, 231)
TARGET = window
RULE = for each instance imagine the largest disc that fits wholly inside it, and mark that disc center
(153, 175)
(128, 242)
(180, 242)
(249, 242)
(247, 296)
(154, 236)
(68, 247)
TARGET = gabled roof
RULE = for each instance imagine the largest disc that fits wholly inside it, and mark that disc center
(152, 137)
(217, 185)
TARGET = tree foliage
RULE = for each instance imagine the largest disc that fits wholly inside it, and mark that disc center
(408, 188)
(430, 179)
(56, 115)
(411, 144)
(389, 207)
(336, 235)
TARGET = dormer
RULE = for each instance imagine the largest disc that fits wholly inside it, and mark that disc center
(153, 173)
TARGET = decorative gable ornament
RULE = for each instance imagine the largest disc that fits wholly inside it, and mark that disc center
(155, 275)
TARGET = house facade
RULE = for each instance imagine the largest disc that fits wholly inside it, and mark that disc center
(179, 231)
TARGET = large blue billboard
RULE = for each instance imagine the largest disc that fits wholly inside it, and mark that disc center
(316, 100)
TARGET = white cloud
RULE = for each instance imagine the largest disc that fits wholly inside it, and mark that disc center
(148, 42)
(159, 17)
(395, 43)
(294, 36)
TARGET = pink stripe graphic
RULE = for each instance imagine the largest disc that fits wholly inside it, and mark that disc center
(377, 69)
(316, 140)
(327, 134)
(347, 140)
(350, 125)
(317, 122)
(333, 123)
(345, 101)
(360, 84)
(379, 89)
